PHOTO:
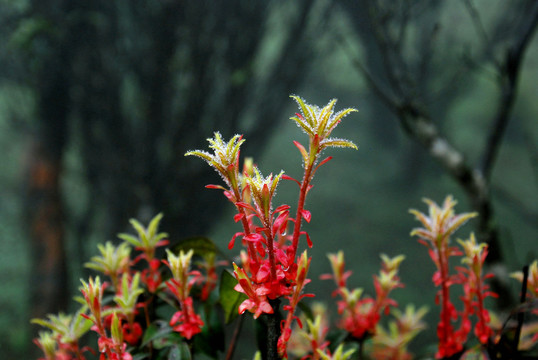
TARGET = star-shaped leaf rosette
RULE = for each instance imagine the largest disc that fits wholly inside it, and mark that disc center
(270, 267)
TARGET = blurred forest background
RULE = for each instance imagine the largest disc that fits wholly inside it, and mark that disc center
(100, 99)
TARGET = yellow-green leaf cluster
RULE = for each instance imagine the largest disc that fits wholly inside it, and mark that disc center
(148, 238)
(441, 221)
(130, 290)
(69, 327)
(263, 189)
(113, 261)
(224, 158)
(320, 122)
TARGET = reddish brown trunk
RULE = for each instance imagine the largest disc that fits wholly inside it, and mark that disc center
(44, 211)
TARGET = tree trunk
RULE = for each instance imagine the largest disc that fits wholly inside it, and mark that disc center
(43, 203)
(44, 212)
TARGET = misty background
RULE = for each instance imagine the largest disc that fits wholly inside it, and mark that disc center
(99, 100)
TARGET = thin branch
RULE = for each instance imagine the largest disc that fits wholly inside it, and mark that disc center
(235, 336)
(521, 314)
(533, 155)
(386, 48)
(420, 126)
(480, 29)
(510, 69)
(373, 83)
(402, 32)
(413, 119)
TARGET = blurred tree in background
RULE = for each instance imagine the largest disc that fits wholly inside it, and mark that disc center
(99, 100)
(402, 71)
(123, 89)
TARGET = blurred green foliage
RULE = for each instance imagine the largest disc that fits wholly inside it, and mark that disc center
(360, 199)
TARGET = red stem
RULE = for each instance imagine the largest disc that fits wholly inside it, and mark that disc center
(352, 313)
(246, 227)
(445, 315)
(300, 207)
(270, 248)
(78, 353)
(146, 311)
(185, 311)
(293, 304)
(233, 341)
(481, 320)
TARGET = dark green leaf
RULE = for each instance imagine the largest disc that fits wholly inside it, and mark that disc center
(169, 340)
(154, 332)
(336, 337)
(140, 356)
(229, 298)
(262, 333)
(475, 353)
(174, 354)
(211, 340)
(306, 310)
(201, 246)
(180, 352)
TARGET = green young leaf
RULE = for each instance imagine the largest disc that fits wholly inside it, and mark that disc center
(229, 298)
(332, 142)
(154, 226)
(141, 231)
(148, 238)
(130, 239)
